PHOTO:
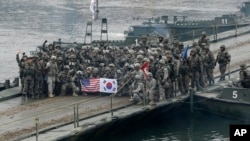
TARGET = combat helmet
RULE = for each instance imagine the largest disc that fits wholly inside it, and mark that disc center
(242, 66)
(66, 67)
(59, 59)
(194, 50)
(53, 57)
(223, 46)
(137, 65)
(95, 70)
(137, 77)
(79, 72)
(162, 62)
(203, 33)
(150, 74)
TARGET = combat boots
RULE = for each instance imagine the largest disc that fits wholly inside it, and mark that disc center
(51, 95)
(140, 102)
(152, 103)
(74, 94)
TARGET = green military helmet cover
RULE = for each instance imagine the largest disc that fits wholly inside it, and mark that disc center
(60, 59)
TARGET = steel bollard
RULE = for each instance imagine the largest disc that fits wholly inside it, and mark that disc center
(77, 115)
(37, 123)
(16, 82)
(74, 116)
(7, 84)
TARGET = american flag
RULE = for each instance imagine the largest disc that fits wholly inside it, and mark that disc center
(90, 85)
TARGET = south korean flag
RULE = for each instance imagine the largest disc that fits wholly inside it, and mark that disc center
(108, 85)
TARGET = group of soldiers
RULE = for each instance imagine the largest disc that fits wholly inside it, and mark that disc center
(55, 69)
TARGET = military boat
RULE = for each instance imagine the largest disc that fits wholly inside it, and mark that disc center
(231, 102)
(178, 27)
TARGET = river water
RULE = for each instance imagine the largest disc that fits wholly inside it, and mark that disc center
(178, 125)
(25, 24)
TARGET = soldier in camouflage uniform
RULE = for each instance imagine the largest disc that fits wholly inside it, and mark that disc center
(95, 58)
(166, 45)
(29, 72)
(244, 76)
(184, 78)
(162, 76)
(202, 75)
(152, 89)
(60, 64)
(137, 90)
(223, 58)
(204, 39)
(209, 63)
(173, 73)
(195, 66)
(138, 71)
(84, 54)
(40, 72)
(109, 73)
(144, 42)
(66, 81)
(160, 42)
(76, 79)
(21, 63)
(95, 72)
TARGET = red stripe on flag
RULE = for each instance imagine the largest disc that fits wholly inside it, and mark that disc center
(94, 85)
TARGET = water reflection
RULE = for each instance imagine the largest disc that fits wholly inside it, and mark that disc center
(177, 126)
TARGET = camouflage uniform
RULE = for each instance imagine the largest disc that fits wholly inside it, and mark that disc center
(162, 76)
(21, 64)
(223, 58)
(95, 59)
(209, 63)
(108, 73)
(184, 78)
(127, 81)
(66, 81)
(204, 39)
(152, 89)
(244, 76)
(202, 75)
(137, 90)
(195, 66)
(40, 72)
(76, 79)
(173, 73)
(60, 64)
(29, 73)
